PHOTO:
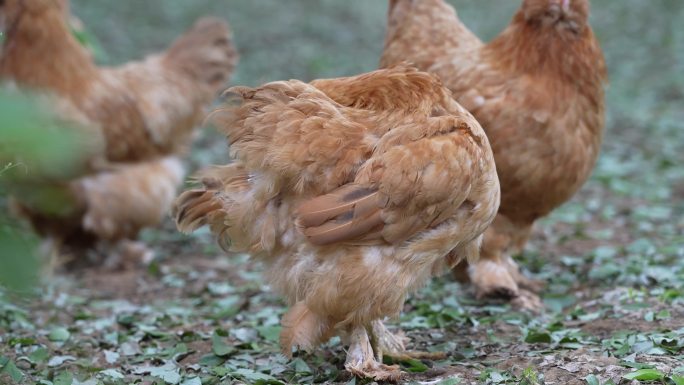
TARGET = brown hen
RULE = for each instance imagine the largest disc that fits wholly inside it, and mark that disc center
(137, 119)
(350, 191)
(538, 91)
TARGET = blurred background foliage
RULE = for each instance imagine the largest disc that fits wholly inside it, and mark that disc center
(33, 145)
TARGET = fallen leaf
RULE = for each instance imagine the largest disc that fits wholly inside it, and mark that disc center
(645, 375)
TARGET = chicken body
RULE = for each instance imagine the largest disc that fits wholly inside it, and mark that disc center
(538, 91)
(104, 211)
(137, 119)
(350, 190)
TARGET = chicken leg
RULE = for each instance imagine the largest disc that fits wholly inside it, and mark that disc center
(496, 274)
(393, 345)
(361, 361)
(126, 254)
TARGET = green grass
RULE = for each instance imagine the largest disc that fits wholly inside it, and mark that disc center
(613, 257)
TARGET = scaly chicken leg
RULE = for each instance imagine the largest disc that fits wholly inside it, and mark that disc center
(361, 361)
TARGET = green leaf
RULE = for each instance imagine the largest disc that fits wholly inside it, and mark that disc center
(414, 366)
(678, 380)
(63, 378)
(663, 314)
(23, 341)
(219, 346)
(89, 42)
(169, 372)
(256, 377)
(59, 334)
(113, 373)
(537, 337)
(270, 333)
(221, 371)
(39, 355)
(11, 369)
(592, 380)
(301, 367)
(450, 381)
(649, 317)
(211, 360)
(636, 365)
(192, 381)
(645, 375)
(495, 377)
(19, 261)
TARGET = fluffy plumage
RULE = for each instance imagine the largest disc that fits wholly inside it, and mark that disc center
(350, 190)
(537, 89)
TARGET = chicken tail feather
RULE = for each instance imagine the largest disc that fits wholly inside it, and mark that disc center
(193, 209)
(211, 203)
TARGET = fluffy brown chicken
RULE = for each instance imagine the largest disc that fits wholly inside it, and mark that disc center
(538, 91)
(137, 119)
(351, 191)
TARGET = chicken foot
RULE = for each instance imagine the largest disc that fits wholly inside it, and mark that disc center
(361, 361)
(126, 254)
(501, 278)
(535, 286)
(393, 345)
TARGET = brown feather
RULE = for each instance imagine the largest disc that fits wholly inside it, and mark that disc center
(301, 328)
(317, 211)
(193, 208)
(342, 215)
(344, 230)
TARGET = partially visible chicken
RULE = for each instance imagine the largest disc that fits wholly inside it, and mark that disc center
(138, 119)
(103, 212)
(145, 109)
(538, 91)
(349, 190)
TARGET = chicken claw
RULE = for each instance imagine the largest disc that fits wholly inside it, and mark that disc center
(393, 345)
(533, 285)
(501, 278)
(127, 255)
(361, 362)
(527, 300)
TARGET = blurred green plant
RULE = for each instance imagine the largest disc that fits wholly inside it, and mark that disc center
(33, 145)
(88, 40)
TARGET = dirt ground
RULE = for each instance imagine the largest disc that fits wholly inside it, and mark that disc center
(197, 314)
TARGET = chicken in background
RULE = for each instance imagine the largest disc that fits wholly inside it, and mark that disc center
(350, 191)
(138, 120)
(538, 91)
